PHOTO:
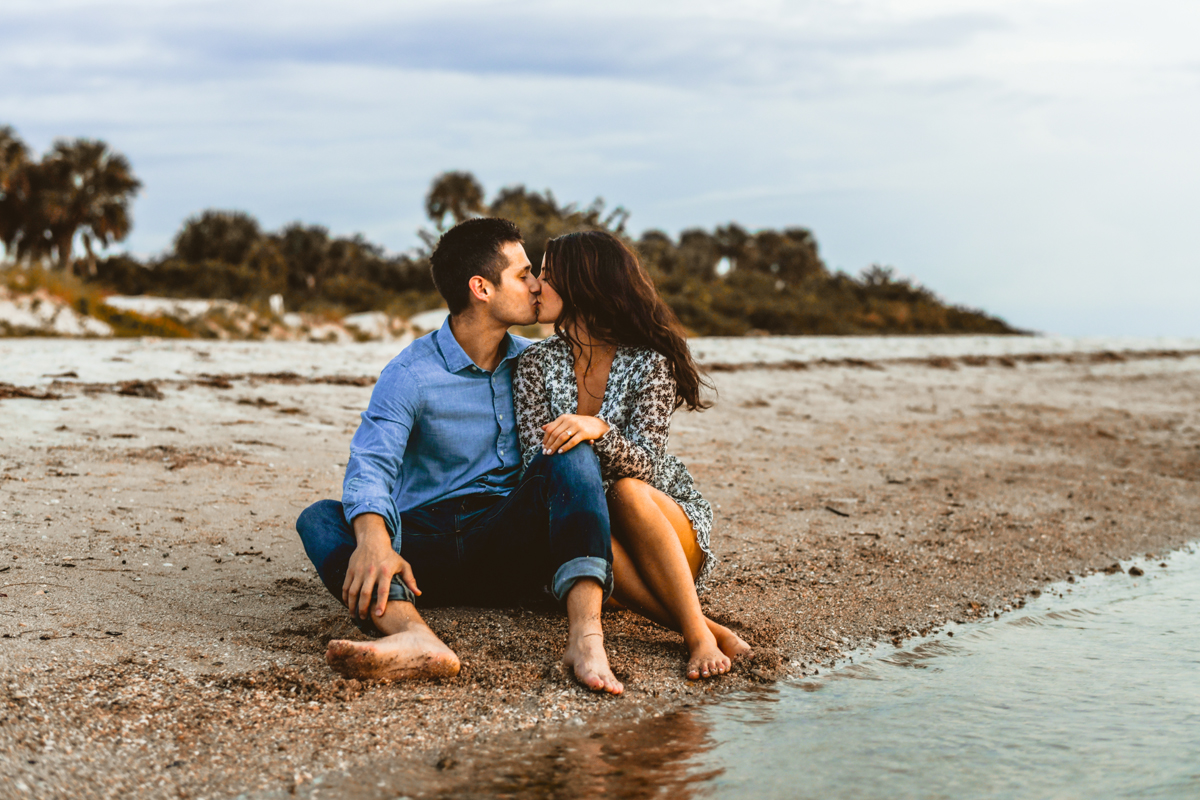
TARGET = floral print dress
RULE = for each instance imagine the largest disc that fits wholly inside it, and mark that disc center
(639, 400)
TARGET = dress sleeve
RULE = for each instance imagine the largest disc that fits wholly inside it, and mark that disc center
(531, 403)
(636, 450)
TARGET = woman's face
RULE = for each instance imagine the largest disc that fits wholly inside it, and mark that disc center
(549, 303)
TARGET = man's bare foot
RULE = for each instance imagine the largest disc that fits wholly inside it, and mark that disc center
(585, 655)
(730, 643)
(414, 653)
(706, 660)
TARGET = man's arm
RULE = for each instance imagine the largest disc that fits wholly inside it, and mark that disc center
(372, 566)
(376, 455)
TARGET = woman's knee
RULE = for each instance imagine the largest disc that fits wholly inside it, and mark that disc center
(628, 489)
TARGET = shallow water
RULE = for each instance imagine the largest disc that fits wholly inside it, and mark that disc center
(1091, 694)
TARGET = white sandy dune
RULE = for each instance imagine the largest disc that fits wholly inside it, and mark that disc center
(37, 361)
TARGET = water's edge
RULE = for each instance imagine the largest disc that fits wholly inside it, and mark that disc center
(656, 755)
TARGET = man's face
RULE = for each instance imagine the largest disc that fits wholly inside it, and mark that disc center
(516, 298)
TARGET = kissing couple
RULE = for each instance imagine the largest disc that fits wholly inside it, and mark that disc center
(489, 470)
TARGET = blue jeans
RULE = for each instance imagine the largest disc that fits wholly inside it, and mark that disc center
(483, 549)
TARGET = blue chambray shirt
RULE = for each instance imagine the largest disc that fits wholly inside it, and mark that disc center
(437, 427)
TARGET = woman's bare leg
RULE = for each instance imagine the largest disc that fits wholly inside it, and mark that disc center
(650, 541)
(730, 643)
(630, 591)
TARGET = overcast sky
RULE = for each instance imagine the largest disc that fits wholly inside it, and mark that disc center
(1036, 158)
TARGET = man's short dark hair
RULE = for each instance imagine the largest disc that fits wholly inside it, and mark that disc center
(468, 249)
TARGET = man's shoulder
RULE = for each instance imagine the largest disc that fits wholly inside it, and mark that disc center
(418, 352)
(412, 368)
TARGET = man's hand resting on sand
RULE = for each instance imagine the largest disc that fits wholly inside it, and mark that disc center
(371, 568)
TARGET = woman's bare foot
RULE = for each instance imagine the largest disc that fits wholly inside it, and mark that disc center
(414, 653)
(730, 643)
(706, 660)
(585, 655)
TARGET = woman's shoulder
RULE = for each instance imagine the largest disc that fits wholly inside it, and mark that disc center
(641, 371)
(550, 345)
(643, 358)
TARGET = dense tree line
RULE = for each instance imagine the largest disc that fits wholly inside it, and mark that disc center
(226, 254)
(728, 281)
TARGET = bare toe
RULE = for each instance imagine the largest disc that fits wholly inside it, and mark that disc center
(589, 663)
(598, 678)
(707, 662)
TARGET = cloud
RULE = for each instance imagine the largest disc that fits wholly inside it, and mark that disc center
(670, 44)
(987, 146)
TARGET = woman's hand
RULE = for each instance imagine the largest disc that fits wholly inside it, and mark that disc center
(569, 430)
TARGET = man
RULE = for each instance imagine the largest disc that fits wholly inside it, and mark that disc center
(433, 494)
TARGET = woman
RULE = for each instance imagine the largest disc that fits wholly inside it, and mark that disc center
(616, 369)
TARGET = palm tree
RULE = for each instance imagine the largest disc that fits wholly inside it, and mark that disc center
(87, 186)
(454, 193)
(14, 158)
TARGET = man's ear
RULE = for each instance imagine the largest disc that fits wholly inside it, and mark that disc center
(481, 288)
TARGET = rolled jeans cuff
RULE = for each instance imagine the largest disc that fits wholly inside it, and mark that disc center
(582, 567)
(399, 591)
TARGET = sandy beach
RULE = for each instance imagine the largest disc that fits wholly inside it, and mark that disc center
(164, 634)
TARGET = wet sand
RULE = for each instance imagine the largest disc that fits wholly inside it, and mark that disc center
(163, 635)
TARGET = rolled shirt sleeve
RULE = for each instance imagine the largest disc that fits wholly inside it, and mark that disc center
(377, 449)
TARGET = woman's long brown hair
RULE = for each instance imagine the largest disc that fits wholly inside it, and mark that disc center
(606, 291)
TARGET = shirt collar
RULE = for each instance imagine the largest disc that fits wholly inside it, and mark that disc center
(456, 358)
(514, 347)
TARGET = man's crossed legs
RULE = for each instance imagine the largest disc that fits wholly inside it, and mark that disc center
(552, 530)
